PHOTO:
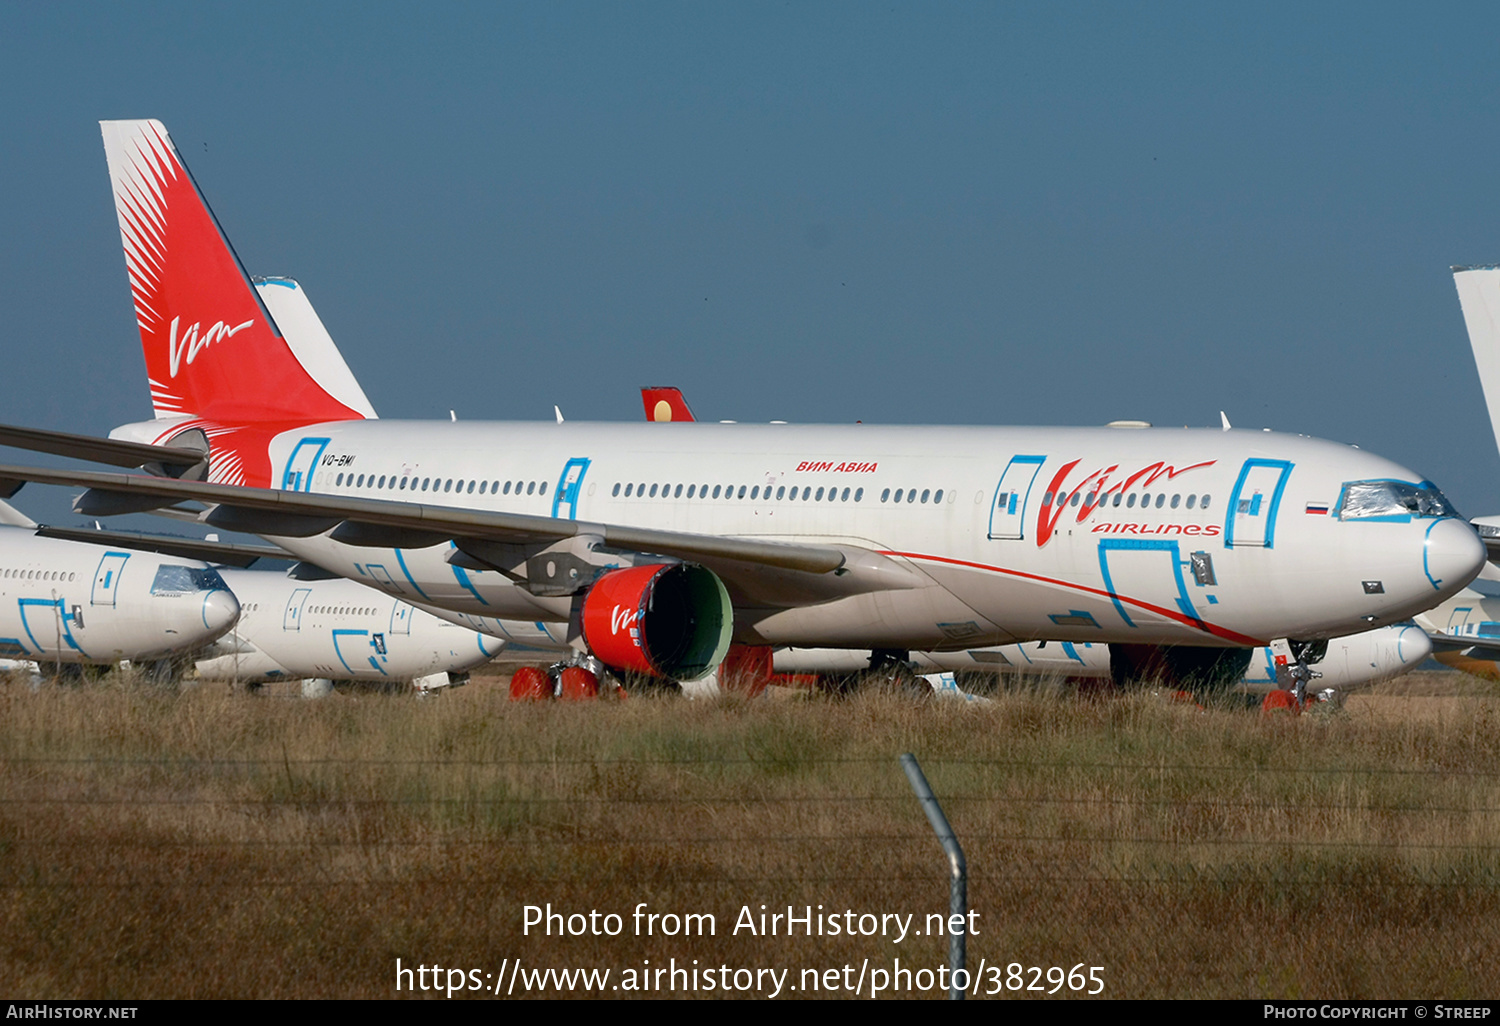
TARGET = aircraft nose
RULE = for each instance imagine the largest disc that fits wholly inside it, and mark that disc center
(1452, 555)
(220, 611)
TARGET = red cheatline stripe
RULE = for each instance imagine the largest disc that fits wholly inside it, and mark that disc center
(1202, 625)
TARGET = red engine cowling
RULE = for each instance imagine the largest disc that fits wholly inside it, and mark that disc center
(667, 619)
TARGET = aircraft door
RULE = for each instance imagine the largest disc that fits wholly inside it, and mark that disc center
(1151, 573)
(1251, 517)
(107, 578)
(1459, 619)
(565, 498)
(300, 466)
(46, 624)
(401, 618)
(1008, 510)
(292, 621)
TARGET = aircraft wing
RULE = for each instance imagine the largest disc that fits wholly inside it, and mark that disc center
(1475, 647)
(795, 573)
(228, 553)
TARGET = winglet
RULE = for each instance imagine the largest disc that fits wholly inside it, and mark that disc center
(664, 403)
(1224, 418)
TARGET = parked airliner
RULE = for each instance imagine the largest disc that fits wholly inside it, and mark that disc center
(1465, 629)
(68, 602)
(337, 630)
(1343, 664)
(659, 543)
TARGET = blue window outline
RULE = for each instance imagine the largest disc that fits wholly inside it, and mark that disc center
(1184, 602)
(1285, 466)
(1035, 462)
(292, 479)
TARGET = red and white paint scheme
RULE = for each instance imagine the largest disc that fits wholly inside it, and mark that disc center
(856, 536)
(1347, 663)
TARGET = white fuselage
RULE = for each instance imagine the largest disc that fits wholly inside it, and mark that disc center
(336, 629)
(73, 602)
(1196, 537)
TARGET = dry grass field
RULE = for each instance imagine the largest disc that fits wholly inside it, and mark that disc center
(201, 843)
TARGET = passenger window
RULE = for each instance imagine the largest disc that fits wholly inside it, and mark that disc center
(653, 491)
(781, 492)
(484, 484)
(755, 492)
(1130, 502)
(1161, 497)
(677, 492)
(471, 488)
(911, 495)
(507, 488)
(338, 481)
(530, 487)
(1118, 497)
(859, 494)
(1074, 500)
(818, 496)
(691, 490)
(885, 495)
(1175, 500)
(901, 491)
(925, 493)
(425, 482)
(1190, 500)
(937, 496)
(616, 490)
(1204, 503)
(846, 495)
(542, 489)
(717, 489)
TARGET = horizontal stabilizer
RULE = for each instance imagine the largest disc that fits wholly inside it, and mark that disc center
(98, 450)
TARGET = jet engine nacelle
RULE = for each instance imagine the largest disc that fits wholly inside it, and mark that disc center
(666, 619)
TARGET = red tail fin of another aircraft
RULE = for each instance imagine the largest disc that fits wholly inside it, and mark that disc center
(665, 403)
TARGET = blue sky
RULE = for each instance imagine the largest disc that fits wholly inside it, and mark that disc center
(950, 213)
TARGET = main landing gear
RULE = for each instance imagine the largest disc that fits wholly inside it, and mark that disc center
(580, 679)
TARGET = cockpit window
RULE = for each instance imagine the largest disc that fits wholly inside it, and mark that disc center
(184, 580)
(1393, 500)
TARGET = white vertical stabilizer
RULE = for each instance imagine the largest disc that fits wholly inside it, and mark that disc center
(310, 342)
(1479, 295)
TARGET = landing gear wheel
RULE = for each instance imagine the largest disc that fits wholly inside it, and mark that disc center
(1280, 702)
(891, 672)
(530, 684)
(577, 684)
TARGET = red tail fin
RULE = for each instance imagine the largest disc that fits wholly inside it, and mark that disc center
(212, 349)
(665, 403)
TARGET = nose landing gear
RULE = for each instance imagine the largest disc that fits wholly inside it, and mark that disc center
(1294, 673)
